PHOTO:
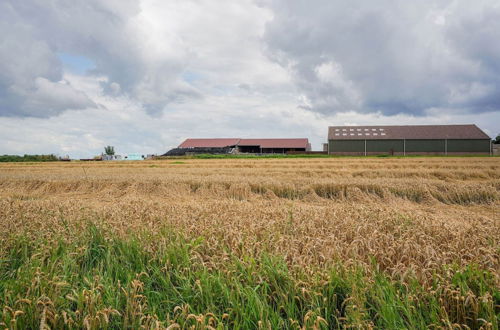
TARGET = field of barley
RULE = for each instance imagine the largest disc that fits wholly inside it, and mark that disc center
(251, 243)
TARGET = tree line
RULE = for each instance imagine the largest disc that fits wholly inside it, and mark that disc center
(29, 158)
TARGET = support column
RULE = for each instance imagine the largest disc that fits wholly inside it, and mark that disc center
(365, 147)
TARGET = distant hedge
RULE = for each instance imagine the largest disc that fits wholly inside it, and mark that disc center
(28, 158)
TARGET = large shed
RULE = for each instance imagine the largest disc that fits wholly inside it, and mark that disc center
(408, 140)
(250, 145)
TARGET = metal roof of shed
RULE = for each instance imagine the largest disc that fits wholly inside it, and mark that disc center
(263, 143)
(209, 143)
(420, 132)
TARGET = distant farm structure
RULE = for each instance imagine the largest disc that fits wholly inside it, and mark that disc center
(131, 156)
(237, 145)
(408, 140)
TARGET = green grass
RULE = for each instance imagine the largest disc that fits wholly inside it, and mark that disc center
(102, 280)
(273, 156)
(246, 156)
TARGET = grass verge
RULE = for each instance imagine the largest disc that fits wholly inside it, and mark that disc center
(99, 279)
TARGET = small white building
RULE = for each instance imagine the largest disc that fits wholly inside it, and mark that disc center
(134, 156)
(111, 157)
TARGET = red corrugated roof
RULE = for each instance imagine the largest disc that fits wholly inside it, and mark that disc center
(209, 143)
(406, 132)
(275, 143)
(263, 143)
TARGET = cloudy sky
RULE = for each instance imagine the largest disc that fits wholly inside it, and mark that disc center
(142, 75)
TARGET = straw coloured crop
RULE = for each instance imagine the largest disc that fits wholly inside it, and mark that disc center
(251, 243)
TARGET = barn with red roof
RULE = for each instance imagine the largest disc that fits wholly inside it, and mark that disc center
(238, 145)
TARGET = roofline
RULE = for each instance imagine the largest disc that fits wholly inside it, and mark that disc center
(404, 125)
(364, 138)
(274, 139)
(302, 138)
(212, 139)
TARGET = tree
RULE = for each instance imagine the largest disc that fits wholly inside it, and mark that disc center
(109, 150)
(497, 140)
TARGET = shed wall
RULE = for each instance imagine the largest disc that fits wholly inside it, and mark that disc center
(425, 146)
(469, 146)
(420, 146)
(346, 146)
(384, 146)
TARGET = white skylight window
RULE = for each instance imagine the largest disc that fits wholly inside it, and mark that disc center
(351, 129)
(382, 133)
(358, 129)
(352, 134)
(366, 129)
(337, 134)
(375, 133)
(367, 133)
(360, 133)
(344, 129)
(381, 129)
(344, 133)
(374, 129)
(336, 130)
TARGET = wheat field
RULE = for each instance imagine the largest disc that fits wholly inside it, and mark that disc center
(386, 243)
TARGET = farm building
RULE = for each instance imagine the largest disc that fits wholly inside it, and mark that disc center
(408, 140)
(133, 156)
(236, 145)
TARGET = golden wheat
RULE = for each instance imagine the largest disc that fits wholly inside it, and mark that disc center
(312, 211)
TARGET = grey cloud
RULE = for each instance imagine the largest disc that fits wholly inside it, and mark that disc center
(43, 99)
(109, 33)
(392, 57)
(474, 36)
(31, 79)
(245, 87)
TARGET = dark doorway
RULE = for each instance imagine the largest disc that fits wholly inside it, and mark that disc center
(249, 149)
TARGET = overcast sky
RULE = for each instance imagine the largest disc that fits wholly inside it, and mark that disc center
(142, 75)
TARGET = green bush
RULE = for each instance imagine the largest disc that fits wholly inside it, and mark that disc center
(29, 158)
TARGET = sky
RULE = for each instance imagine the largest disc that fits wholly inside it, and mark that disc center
(143, 75)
